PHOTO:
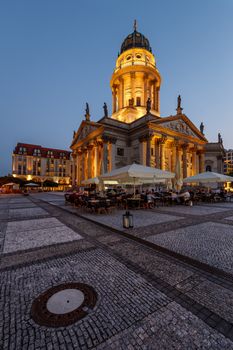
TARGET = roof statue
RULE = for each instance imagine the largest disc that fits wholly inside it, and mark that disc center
(74, 132)
(220, 138)
(87, 115)
(202, 128)
(148, 105)
(179, 108)
(105, 107)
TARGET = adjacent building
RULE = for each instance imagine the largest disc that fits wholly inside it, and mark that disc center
(37, 163)
(228, 162)
(136, 132)
(214, 157)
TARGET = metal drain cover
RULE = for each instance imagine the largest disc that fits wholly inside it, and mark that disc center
(63, 305)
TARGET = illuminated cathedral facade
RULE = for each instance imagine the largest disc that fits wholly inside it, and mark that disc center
(135, 132)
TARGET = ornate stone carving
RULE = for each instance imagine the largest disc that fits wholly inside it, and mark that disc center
(86, 130)
(180, 126)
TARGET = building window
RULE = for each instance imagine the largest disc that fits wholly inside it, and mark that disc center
(208, 168)
(152, 151)
(120, 152)
(19, 169)
(138, 101)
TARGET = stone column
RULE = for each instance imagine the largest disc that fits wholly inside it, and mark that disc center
(112, 153)
(74, 169)
(175, 145)
(184, 148)
(83, 165)
(105, 157)
(145, 89)
(154, 95)
(95, 159)
(194, 161)
(79, 167)
(89, 161)
(148, 150)
(157, 153)
(201, 161)
(86, 164)
(100, 158)
(157, 100)
(120, 92)
(142, 150)
(162, 152)
(114, 99)
(132, 78)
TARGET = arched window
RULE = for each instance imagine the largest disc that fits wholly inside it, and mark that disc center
(208, 168)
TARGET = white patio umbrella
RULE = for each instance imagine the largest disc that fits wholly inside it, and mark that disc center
(135, 173)
(208, 176)
(97, 180)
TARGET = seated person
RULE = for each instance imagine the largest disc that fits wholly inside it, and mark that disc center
(150, 199)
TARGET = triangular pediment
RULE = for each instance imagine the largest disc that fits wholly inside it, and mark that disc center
(84, 130)
(181, 124)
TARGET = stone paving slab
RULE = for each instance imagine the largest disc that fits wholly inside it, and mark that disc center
(194, 210)
(141, 218)
(209, 242)
(123, 299)
(23, 240)
(213, 296)
(19, 199)
(228, 205)
(25, 225)
(169, 328)
(22, 205)
(26, 212)
(4, 214)
(161, 267)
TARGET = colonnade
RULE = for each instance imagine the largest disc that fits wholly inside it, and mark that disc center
(94, 159)
(185, 157)
(141, 85)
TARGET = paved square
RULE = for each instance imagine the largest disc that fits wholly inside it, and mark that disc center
(25, 225)
(27, 212)
(146, 299)
(141, 218)
(194, 210)
(24, 237)
(211, 243)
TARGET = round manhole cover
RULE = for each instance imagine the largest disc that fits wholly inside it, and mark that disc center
(63, 305)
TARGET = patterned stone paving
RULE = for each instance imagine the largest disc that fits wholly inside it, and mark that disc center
(27, 239)
(210, 242)
(146, 299)
(141, 218)
(194, 210)
(27, 212)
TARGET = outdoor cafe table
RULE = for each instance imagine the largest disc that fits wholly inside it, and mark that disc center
(134, 203)
(94, 204)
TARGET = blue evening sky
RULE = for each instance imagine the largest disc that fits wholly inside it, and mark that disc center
(57, 54)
